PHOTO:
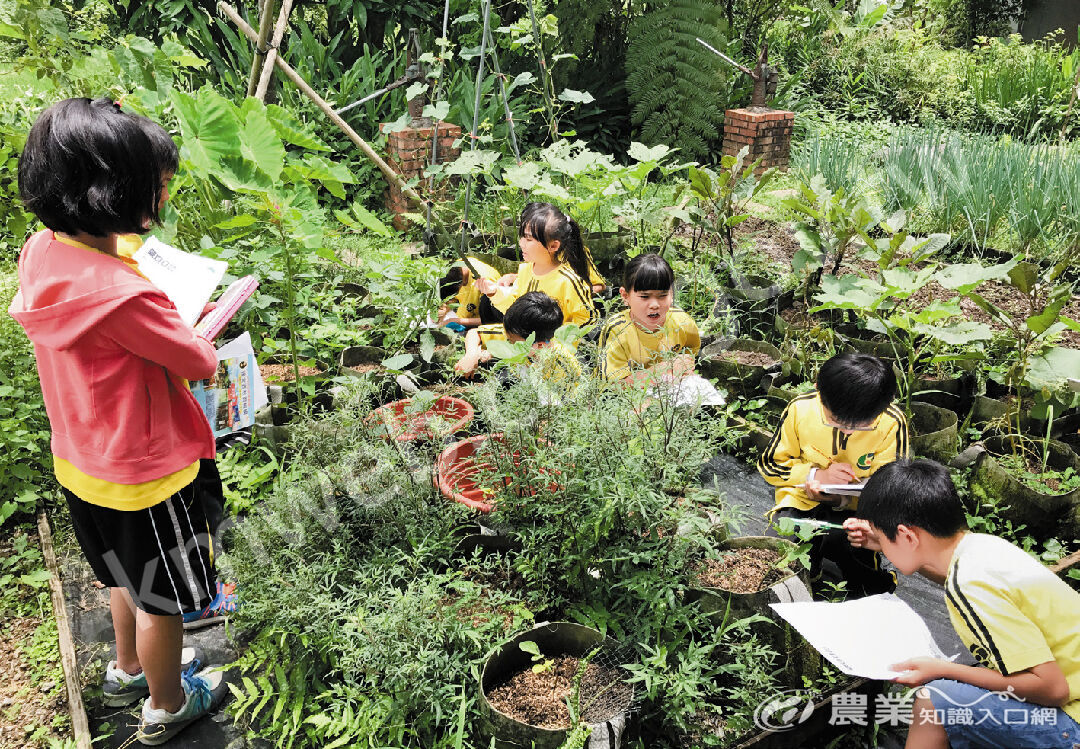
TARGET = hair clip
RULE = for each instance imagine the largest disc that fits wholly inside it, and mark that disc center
(119, 102)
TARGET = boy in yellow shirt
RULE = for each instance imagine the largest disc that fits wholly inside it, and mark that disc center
(1016, 617)
(533, 314)
(839, 434)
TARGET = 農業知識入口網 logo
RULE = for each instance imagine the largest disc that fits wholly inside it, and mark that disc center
(783, 711)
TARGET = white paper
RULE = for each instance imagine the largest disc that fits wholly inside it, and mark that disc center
(188, 280)
(237, 348)
(864, 637)
(844, 489)
(691, 390)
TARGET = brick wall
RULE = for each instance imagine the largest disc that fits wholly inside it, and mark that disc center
(408, 153)
(767, 132)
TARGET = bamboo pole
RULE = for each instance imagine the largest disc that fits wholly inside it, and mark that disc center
(392, 177)
(485, 9)
(265, 24)
(271, 55)
(80, 726)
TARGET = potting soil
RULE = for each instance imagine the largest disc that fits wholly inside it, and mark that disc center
(750, 358)
(540, 699)
(741, 570)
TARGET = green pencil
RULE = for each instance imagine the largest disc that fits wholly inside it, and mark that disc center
(817, 523)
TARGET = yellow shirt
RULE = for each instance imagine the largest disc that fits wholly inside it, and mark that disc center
(624, 345)
(803, 442)
(468, 296)
(127, 497)
(561, 284)
(1012, 612)
(558, 363)
(595, 279)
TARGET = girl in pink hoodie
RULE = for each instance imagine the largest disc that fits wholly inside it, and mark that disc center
(132, 450)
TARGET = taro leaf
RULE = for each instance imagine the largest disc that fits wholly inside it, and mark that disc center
(1069, 323)
(259, 142)
(1024, 276)
(399, 362)
(544, 186)
(896, 221)
(209, 128)
(437, 111)
(641, 152)
(924, 247)
(577, 97)
(291, 130)
(966, 277)
(903, 282)
(427, 345)
(959, 333)
(1050, 369)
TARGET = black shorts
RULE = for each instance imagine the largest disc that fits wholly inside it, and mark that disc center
(163, 554)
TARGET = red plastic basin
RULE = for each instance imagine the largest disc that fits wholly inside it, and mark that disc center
(409, 427)
(456, 473)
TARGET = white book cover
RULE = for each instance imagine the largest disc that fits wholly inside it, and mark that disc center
(188, 280)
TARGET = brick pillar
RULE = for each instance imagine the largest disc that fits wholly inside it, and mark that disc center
(409, 152)
(766, 131)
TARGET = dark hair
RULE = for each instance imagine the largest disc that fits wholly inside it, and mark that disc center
(450, 284)
(856, 388)
(165, 151)
(89, 167)
(533, 312)
(916, 493)
(648, 272)
(546, 223)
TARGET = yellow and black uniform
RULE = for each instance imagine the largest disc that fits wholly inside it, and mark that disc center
(803, 442)
(1012, 612)
(562, 284)
(595, 279)
(626, 346)
(468, 296)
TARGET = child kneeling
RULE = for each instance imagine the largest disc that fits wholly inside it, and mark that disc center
(840, 434)
(1016, 617)
(534, 314)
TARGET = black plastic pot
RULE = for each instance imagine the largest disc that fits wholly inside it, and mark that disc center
(739, 378)
(954, 393)
(933, 432)
(605, 245)
(1045, 514)
(801, 658)
(750, 305)
(853, 338)
(553, 639)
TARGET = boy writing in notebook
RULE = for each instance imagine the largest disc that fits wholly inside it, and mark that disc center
(1016, 617)
(839, 434)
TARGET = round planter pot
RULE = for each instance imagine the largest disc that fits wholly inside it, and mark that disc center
(456, 470)
(409, 427)
(720, 604)
(604, 245)
(751, 303)
(953, 393)
(717, 361)
(1045, 513)
(554, 640)
(933, 432)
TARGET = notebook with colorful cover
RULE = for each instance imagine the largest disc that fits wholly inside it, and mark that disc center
(227, 306)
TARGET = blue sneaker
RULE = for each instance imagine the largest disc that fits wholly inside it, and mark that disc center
(203, 693)
(224, 603)
(121, 689)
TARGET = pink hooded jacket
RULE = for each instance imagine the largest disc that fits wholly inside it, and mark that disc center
(112, 354)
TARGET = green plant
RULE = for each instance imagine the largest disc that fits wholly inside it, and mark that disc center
(679, 89)
(541, 663)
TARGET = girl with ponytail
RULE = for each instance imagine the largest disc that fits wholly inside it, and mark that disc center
(555, 263)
